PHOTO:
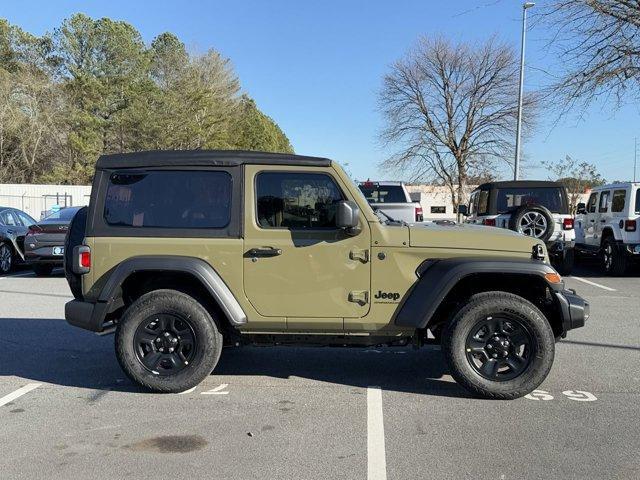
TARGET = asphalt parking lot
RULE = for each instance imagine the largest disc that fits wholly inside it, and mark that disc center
(68, 411)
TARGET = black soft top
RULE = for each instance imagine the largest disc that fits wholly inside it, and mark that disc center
(519, 184)
(200, 158)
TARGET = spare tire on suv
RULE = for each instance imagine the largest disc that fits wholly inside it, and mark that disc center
(75, 236)
(533, 220)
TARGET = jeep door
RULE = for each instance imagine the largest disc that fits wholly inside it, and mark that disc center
(589, 220)
(297, 263)
(604, 214)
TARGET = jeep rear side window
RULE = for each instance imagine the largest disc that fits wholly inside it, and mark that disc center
(617, 203)
(604, 202)
(510, 199)
(296, 200)
(169, 199)
(591, 204)
(638, 201)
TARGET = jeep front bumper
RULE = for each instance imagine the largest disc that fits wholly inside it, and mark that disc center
(574, 309)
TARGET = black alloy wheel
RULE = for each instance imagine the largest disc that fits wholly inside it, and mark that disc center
(500, 349)
(165, 344)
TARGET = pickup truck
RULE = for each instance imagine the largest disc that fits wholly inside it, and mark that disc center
(393, 200)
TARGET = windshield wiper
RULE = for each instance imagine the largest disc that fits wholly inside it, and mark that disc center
(388, 217)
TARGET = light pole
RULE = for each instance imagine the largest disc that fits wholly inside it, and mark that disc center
(516, 166)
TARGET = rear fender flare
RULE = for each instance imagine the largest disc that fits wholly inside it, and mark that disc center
(197, 267)
(438, 277)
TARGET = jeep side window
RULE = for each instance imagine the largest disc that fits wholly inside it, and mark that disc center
(296, 200)
(604, 201)
(638, 201)
(473, 203)
(483, 202)
(591, 204)
(169, 199)
(617, 203)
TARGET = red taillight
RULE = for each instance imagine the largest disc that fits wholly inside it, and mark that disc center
(419, 214)
(489, 222)
(630, 225)
(85, 259)
(567, 223)
(34, 230)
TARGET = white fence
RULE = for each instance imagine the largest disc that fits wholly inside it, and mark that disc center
(38, 199)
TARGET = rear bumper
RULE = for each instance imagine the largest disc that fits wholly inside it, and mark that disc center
(558, 248)
(86, 315)
(43, 254)
(574, 309)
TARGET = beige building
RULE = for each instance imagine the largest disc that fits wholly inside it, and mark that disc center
(37, 199)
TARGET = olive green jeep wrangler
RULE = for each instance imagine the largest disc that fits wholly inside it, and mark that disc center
(183, 252)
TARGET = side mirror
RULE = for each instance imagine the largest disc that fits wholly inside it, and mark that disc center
(463, 210)
(581, 209)
(348, 217)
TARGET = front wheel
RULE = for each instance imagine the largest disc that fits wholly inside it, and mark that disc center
(6, 258)
(167, 342)
(499, 345)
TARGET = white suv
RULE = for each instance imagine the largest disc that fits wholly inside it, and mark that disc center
(607, 226)
(538, 209)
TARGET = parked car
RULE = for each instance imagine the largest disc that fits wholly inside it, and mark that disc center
(538, 209)
(181, 252)
(607, 226)
(14, 224)
(44, 241)
(393, 200)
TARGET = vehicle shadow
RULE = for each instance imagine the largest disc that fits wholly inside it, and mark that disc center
(49, 350)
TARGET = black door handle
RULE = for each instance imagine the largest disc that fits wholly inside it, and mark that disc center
(603, 221)
(264, 252)
(11, 232)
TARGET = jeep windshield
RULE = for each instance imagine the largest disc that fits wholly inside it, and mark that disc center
(553, 198)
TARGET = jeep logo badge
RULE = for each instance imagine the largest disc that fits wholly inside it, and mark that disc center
(387, 295)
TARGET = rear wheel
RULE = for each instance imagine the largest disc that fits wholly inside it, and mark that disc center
(613, 262)
(564, 266)
(6, 258)
(499, 345)
(167, 342)
(42, 270)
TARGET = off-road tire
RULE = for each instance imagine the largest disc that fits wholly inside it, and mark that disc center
(503, 304)
(9, 257)
(208, 341)
(516, 217)
(42, 270)
(564, 265)
(618, 264)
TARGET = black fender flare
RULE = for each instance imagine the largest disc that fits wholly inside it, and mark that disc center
(436, 278)
(197, 267)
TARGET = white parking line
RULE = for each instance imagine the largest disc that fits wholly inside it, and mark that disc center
(193, 389)
(22, 274)
(589, 282)
(217, 390)
(376, 457)
(18, 393)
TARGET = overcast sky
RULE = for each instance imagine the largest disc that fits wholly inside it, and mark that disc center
(316, 67)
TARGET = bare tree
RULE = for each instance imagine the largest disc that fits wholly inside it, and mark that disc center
(598, 42)
(451, 109)
(578, 177)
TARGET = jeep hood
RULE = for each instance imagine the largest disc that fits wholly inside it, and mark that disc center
(469, 237)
